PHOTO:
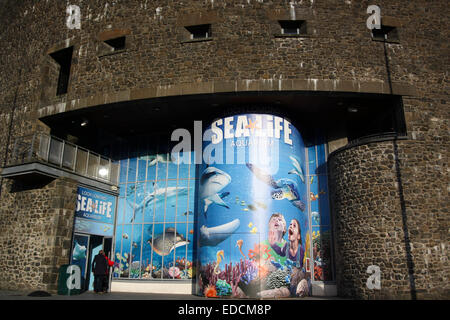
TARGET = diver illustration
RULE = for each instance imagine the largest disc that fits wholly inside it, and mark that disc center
(282, 188)
(164, 244)
(212, 181)
(210, 237)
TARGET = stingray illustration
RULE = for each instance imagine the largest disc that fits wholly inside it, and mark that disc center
(212, 182)
(282, 188)
(210, 237)
(158, 195)
(163, 244)
(297, 168)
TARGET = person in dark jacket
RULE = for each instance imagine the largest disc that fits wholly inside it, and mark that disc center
(99, 268)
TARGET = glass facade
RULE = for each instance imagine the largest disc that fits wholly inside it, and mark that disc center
(154, 236)
(319, 208)
(155, 221)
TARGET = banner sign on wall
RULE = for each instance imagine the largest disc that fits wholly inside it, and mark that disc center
(254, 236)
(94, 212)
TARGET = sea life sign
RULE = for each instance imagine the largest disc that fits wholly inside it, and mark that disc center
(94, 212)
(252, 200)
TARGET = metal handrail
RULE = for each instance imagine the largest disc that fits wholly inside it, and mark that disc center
(57, 152)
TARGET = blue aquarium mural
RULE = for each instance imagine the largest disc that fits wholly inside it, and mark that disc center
(154, 233)
(254, 238)
(257, 209)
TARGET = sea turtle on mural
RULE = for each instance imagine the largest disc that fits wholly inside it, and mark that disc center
(282, 188)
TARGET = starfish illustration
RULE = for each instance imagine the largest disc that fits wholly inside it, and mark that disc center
(252, 125)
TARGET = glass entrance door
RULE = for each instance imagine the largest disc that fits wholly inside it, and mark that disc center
(80, 257)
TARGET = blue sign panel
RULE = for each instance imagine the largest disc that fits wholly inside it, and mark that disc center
(94, 212)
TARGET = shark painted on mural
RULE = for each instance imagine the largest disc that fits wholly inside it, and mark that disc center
(211, 237)
(212, 181)
(158, 195)
(297, 169)
(155, 158)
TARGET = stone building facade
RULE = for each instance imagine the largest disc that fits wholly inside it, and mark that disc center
(388, 194)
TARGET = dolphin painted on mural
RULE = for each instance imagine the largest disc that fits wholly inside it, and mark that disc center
(211, 237)
(158, 195)
(212, 181)
(297, 168)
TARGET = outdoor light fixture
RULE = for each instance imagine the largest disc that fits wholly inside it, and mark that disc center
(103, 172)
(352, 109)
(84, 123)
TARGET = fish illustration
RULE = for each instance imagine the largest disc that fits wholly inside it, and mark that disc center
(242, 203)
(282, 188)
(191, 231)
(261, 205)
(250, 224)
(154, 159)
(79, 252)
(312, 179)
(297, 168)
(188, 213)
(210, 237)
(163, 244)
(158, 195)
(212, 182)
(125, 236)
(239, 244)
(313, 197)
(134, 244)
(245, 209)
(316, 217)
(106, 228)
(252, 207)
(237, 200)
(254, 230)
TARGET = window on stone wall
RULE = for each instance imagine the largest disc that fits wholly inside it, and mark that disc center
(117, 43)
(368, 122)
(202, 31)
(293, 27)
(386, 33)
(64, 59)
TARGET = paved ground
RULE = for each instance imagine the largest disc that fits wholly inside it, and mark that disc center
(89, 295)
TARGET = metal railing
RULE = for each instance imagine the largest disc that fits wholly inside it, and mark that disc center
(45, 148)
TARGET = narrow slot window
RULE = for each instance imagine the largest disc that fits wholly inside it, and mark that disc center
(116, 43)
(386, 33)
(293, 27)
(199, 31)
(64, 59)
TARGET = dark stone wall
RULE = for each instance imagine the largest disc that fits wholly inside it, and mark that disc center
(383, 215)
(35, 233)
(244, 55)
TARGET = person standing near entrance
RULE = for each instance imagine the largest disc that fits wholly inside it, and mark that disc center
(99, 268)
